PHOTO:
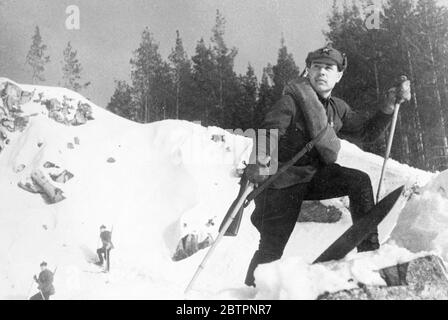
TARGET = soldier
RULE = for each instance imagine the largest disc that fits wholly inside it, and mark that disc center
(104, 251)
(305, 110)
(45, 283)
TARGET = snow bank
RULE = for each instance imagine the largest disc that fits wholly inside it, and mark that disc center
(294, 278)
(423, 223)
(142, 180)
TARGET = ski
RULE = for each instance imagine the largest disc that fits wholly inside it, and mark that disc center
(360, 230)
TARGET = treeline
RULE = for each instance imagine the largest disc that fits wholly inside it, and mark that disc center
(71, 68)
(204, 87)
(412, 40)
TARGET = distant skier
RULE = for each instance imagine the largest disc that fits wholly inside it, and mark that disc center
(45, 282)
(104, 251)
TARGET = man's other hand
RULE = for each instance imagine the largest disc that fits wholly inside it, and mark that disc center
(397, 95)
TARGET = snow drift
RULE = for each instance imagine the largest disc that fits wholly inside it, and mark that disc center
(138, 179)
(158, 182)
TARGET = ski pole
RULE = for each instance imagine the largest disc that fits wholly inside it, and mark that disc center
(389, 145)
(247, 191)
(403, 83)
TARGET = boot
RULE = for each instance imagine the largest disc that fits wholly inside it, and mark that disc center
(258, 258)
(250, 279)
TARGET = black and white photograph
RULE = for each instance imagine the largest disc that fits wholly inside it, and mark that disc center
(241, 151)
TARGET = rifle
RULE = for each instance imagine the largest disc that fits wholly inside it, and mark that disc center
(247, 193)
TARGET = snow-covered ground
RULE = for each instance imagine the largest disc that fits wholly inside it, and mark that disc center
(156, 183)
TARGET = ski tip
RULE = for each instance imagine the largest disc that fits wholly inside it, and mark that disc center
(400, 191)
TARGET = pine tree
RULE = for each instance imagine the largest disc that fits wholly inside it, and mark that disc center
(217, 87)
(226, 84)
(244, 117)
(72, 69)
(265, 96)
(151, 81)
(204, 76)
(182, 80)
(36, 57)
(121, 101)
(431, 34)
(285, 70)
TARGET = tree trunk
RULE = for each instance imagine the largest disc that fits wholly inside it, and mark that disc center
(416, 115)
(177, 99)
(377, 82)
(404, 145)
(378, 95)
(445, 82)
(442, 130)
(146, 109)
(206, 113)
(221, 106)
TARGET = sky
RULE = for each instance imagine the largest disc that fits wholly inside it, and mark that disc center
(110, 31)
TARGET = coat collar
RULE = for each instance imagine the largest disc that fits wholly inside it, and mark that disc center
(325, 101)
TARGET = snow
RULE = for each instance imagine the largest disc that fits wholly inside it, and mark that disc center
(169, 179)
(422, 225)
(294, 278)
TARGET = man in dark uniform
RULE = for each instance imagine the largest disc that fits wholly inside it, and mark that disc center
(104, 251)
(45, 283)
(305, 111)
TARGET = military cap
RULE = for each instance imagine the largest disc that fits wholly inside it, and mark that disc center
(329, 55)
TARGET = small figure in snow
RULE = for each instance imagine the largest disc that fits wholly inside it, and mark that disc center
(104, 251)
(45, 282)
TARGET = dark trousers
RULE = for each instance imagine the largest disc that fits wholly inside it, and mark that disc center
(103, 254)
(41, 296)
(277, 210)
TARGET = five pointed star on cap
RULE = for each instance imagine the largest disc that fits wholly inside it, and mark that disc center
(326, 50)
